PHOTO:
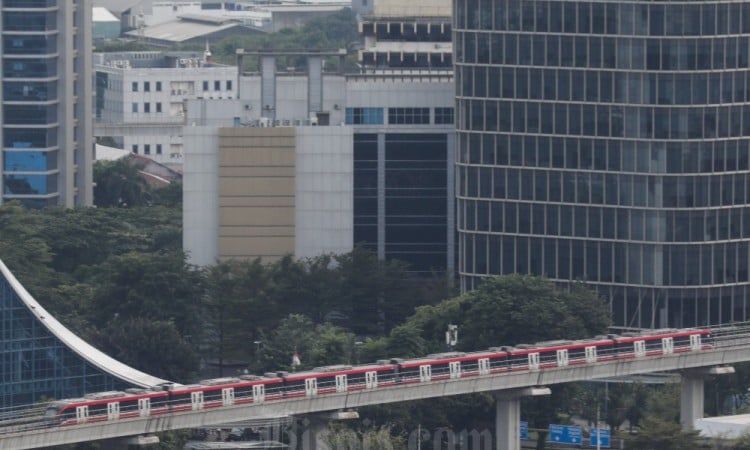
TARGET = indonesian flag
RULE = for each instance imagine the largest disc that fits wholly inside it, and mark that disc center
(295, 359)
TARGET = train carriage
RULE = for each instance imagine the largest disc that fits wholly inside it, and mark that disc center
(222, 392)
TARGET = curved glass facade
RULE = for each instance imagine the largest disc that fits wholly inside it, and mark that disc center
(608, 142)
(34, 365)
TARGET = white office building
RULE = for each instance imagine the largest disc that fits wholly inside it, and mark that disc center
(140, 98)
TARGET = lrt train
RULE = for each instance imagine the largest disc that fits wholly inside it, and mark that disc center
(249, 389)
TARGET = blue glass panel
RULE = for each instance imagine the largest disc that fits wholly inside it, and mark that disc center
(27, 184)
(25, 161)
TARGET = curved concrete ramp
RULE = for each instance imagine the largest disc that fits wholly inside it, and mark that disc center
(66, 365)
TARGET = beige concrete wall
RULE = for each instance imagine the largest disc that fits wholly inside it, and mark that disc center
(418, 8)
(256, 192)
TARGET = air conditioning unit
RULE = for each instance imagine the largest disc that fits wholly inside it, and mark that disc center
(264, 122)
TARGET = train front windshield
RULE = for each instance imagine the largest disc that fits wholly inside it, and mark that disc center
(51, 412)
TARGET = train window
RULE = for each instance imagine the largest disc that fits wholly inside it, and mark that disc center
(590, 354)
(639, 348)
(484, 366)
(667, 345)
(227, 396)
(455, 369)
(695, 342)
(259, 393)
(113, 411)
(425, 373)
(534, 361)
(196, 399)
(371, 380)
(144, 407)
(341, 383)
(82, 414)
(562, 358)
(311, 387)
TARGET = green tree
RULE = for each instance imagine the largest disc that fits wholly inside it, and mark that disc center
(508, 310)
(317, 345)
(332, 345)
(119, 184)
(661, 434)
(224, 313)
(295, 333)
(25, 253)
(157, 286)
(152, 346)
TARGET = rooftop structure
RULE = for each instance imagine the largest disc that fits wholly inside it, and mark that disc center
(411, 35)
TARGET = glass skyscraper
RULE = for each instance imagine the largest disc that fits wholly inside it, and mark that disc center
(46, 84)
(608, 142)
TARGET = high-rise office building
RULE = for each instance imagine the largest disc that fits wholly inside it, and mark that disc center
(608, 142)
(46, 83)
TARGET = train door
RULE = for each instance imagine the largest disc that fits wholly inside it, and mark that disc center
(371, 380)
(667, 345)
(425, 373)
(227, 396)
(196, 399)
(455, 369)
(484, 366)
(259, 393)
(342, 383)
(534, 361)
(695, 342)
(311, 387)
(144, 407)
(590, 353)
(113, 411)
(562, 357)
(82, 414)
(639, 348)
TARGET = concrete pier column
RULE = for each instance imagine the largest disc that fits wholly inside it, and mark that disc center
(268, 86)
(314, 429)
(691, 395)
(508, 416)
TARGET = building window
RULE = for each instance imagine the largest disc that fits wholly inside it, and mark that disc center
(229, 85)
(158, 149)
(135, 148)
(147, 149)
(147, 107)
(408, 116)
(217, 85)
(205, 85)
(443, 115)
(135, 86)
(364, 116)
(158, 107)
(158, 86)
(146, 86)
(134, 107)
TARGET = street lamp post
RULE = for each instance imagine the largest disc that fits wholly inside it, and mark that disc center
(451, 336)
(257, 353)
(356, 351)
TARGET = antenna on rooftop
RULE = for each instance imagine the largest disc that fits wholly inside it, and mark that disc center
(140, 23)
(207, 53)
